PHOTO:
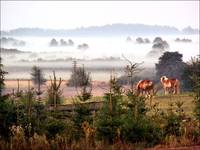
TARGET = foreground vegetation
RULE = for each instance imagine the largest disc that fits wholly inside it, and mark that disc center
(125, 120)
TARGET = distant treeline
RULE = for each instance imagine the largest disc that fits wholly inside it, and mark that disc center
(106, 30)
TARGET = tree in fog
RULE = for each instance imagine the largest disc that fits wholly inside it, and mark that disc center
(70, 42)
(37, 78)
(54, 42)
(157, 40)
(128, 39)
(158, 43)
(159, 47)
(146, 40)
(142, 41)
(139, 40)
(170, 64)
(81, 79)
(63, 42)
(79, 76)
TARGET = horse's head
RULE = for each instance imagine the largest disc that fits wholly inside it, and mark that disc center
(163, 78)
(151, 84)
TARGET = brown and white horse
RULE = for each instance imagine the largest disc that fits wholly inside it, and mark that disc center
(145, 87)
(170, 85)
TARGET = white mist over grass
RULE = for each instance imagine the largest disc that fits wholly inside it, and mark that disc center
(99, 48)
(105, 47)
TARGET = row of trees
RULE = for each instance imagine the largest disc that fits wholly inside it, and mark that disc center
(79, 79)
(54, 42)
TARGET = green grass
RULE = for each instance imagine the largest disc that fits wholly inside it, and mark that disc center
(163, 100)
(186, 98)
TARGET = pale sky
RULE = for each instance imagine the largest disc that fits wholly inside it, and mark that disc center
(73, 14)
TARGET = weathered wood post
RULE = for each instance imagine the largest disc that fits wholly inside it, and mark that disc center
(55, 88)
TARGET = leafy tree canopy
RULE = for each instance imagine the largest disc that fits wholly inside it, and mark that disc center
(170, 64)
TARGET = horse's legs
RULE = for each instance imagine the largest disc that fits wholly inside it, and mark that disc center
(165, 90)
(178, 90)
(169, 90)
(143, 92)
(174, 90)
(138, 92)
(153, 91)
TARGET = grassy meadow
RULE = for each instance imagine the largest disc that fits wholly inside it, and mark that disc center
(163, 101)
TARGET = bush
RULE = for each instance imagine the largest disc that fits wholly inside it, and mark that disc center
(31, 115)
(174, 118)
(108, 118)
(54, 126)
(81, 114)
(8, 116)
(136, 105)
(172, 126)
(140, 130)
(196, 90)
(190, 71)
(137, 126)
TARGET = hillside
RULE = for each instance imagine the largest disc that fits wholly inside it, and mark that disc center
(106, 30)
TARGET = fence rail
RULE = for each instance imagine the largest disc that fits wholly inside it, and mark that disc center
(93, 106)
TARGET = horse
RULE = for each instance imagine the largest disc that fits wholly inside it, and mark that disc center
(145, 87)
(170, 85)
